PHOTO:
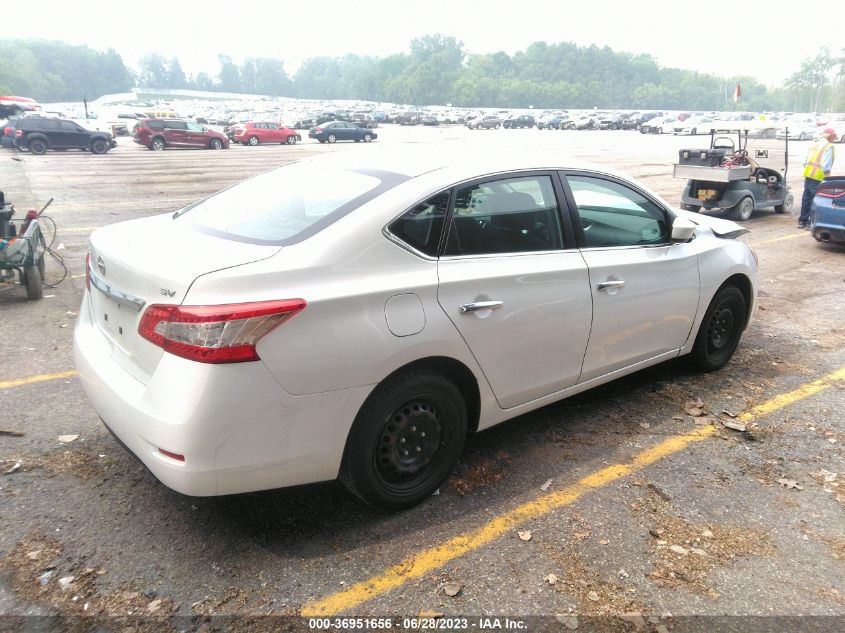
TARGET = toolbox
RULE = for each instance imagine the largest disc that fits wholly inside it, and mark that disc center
(702, 157)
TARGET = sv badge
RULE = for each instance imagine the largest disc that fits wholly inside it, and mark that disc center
(167, 292)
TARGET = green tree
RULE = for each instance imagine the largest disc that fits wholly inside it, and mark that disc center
(230, 76)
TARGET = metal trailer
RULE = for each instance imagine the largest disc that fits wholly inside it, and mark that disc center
(740, 183)
(21, 254)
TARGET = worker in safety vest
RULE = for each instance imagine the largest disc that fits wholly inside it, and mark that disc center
(816, 168)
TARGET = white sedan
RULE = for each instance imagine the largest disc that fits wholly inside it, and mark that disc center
(355, 317)
(693, 125)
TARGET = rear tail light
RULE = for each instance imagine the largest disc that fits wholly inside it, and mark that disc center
(831, 192)
(218, 333)
(18, 133)
(88, 271)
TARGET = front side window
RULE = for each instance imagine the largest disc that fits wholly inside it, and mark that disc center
(513, 215)
(422, 226)
(612, 214)
(193, 127)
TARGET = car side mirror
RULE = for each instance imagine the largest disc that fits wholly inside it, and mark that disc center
(682, 230)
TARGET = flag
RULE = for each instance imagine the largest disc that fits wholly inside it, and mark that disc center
(737, 94)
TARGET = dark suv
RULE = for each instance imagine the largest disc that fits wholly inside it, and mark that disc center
(523, 120)
(156, 134)
(38, 134)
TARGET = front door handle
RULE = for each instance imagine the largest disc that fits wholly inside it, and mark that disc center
(480, 305)
(616, 283)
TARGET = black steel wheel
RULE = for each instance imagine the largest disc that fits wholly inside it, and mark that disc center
(37, 146)
(405, 440)
(99, 146)
(720, 330)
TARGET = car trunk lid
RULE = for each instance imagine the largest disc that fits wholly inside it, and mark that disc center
(135, 264)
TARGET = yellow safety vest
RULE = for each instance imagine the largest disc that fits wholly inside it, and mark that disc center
(813, 166)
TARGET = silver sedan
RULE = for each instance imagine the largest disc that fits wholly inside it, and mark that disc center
(355, 318)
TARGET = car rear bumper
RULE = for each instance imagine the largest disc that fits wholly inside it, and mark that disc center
(237, 429)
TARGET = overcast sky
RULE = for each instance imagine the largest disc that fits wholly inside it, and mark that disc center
(767, 40)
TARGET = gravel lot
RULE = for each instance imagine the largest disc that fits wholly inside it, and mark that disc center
(708, 528)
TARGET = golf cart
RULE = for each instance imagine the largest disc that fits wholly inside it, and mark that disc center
(731, 178)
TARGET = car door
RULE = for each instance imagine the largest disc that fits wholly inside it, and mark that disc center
(344, 131)
(176, 133)
(195, 135)
(518, 296)
(644, 288)
(273, 133)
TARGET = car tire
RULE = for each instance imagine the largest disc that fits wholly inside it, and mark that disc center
(99, 146)
(368, 138)
(331, 138)
(788, 202)
(659, 130)
(37, 146)
(291, 140)
(720, 330)
(158, 144)
(215, 143)
(253, 140)
(743, 209)
(376, 468)
(802, 137)
(32, 281)
(693, 132)
(497, 126)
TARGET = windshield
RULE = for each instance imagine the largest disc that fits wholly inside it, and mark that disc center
(282, 206)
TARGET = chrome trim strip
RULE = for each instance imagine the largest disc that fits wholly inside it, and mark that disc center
(131, 301)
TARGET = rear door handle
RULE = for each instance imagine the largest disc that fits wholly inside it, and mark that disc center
(480, 305)
(604, 285)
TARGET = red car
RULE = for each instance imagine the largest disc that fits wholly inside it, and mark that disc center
(255, 132)
(157, 134)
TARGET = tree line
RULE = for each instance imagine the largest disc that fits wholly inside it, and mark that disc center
(437, 70)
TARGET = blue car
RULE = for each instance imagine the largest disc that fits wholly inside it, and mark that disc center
(827, 217)
(341, 131)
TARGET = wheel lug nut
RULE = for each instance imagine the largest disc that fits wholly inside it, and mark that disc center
(422, 434)
(405, 453)
(402, 440)
(418, 449)
(413, 428)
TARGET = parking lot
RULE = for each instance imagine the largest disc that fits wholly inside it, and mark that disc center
(625, 508)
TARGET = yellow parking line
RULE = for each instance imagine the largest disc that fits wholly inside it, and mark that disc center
(425, 562)
(8, 384)
(791, 236)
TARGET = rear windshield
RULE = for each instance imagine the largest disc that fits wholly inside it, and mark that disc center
(285, 205)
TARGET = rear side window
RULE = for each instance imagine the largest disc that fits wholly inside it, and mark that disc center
(155, 125)
(176, 125)
(514, 215)
(422, 226)
(284, 205)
